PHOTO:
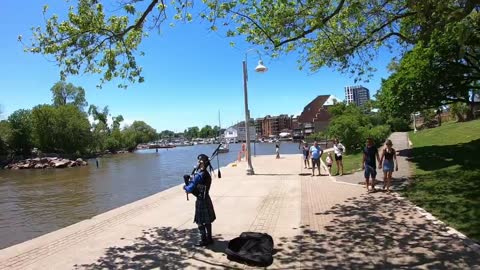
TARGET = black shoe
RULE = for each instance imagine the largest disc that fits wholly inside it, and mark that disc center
(210, 241)
(202, 243)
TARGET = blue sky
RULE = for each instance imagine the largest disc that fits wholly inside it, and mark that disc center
(191, 74)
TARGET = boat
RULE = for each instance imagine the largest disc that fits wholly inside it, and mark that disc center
(223, 149)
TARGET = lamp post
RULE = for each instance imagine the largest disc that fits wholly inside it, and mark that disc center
(260, 68)
(414, 123)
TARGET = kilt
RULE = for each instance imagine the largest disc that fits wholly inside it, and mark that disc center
(204, 212)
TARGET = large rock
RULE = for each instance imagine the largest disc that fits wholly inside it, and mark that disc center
(60, 163)
(41, 166)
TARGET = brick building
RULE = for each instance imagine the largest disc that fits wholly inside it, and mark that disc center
(274, 125)
(315, 116)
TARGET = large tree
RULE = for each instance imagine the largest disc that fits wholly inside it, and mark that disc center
(67, 93)
(434, 74)
(340, 33)
(63, 129)
(20, 125)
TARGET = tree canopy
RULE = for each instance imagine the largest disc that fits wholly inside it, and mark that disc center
(66, 93)
(343, 34)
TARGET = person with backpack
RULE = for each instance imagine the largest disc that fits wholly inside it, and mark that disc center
(199, 186)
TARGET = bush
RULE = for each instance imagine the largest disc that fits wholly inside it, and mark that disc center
(379, 134)
(398, 124)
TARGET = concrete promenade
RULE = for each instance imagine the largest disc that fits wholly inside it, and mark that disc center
(316, 222)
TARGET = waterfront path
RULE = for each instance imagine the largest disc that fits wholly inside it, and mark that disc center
(316, 222)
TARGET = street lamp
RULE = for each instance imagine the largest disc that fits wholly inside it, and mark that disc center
(260, 68)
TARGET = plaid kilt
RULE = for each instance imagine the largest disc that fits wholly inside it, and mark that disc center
(204, 212)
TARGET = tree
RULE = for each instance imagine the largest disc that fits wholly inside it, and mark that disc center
(341, 34)
(205, 132)
(428, 77)
(166, 134)
(141, 131)
(5, 133)
(20, 124)
(63, 129)
(66, 93)
(192, 132)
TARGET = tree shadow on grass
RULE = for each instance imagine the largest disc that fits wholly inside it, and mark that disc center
(375, 232)
(465, 155)
(164, 248)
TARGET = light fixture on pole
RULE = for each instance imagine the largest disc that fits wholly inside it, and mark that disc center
(260, 68)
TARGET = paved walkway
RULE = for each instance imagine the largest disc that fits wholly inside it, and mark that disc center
(400, 177)
(316, 222)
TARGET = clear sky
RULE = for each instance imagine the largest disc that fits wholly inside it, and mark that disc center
(191, 74)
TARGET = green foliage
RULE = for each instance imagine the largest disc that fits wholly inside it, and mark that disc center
(353, 126)
(191, 132)
(317, 136)
(63, 129)
(398, 123)
(339, 34)
(66, 93)
(143, 133)
(20, 124)
(429, 118)
(5, 133)
(460, 110)
(166, 134)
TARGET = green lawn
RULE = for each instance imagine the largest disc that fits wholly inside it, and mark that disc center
(351, 163)
(447, 174)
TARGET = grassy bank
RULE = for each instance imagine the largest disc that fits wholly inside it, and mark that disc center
(351, 163)
(447, 174)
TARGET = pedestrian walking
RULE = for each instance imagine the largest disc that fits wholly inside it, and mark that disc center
(277, 151)
(338, 150)
(370, 156)
(315, 153)
(387, 160)
(306, 152)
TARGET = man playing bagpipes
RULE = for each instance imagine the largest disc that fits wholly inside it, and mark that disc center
(199, 185)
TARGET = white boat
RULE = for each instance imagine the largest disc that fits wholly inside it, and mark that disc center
(223, 149)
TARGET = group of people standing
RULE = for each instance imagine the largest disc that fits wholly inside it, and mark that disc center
(315, 152)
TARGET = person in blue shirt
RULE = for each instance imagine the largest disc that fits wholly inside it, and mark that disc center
(199, 186)
(316, 153)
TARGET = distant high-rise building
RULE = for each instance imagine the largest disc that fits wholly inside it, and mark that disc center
(357, 94)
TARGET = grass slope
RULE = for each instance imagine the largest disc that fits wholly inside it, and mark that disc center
(447, 174)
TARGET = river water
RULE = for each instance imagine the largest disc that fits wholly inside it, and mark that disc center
(35, 202)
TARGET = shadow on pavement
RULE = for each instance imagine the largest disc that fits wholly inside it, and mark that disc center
(376, 232)
(164, 248)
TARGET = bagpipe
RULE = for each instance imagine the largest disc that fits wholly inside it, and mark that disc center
(208, 165)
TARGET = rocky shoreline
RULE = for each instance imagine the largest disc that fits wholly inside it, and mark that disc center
(45, 163)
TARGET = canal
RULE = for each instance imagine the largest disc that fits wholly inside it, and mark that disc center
(35, 202)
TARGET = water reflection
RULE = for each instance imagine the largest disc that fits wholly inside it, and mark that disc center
(35, 202)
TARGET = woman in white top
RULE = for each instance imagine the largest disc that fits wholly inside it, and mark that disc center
(339, 149)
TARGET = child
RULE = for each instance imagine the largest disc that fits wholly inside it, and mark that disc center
(388, 155)
(329, 162)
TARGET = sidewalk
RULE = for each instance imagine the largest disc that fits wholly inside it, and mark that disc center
(399, 178)
(316, 223)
